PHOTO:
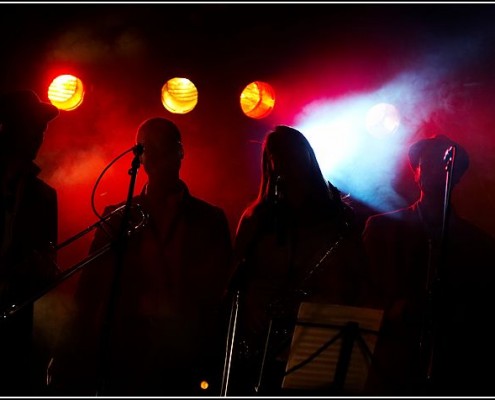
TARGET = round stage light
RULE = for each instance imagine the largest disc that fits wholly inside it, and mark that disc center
(66, 92)
(382, 119)
(257, 100)
(179, 95)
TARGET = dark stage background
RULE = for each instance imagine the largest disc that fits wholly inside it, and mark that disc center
(322, 59)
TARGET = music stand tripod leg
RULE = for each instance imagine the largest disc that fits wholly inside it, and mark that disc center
(350, 332)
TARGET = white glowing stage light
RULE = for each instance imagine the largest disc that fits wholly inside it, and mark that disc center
(333, 142)
(382, 120)
(348, 155)
(334, 130)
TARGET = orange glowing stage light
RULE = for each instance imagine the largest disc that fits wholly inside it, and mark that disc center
(179, 95)
(257, 100)
(66, 92)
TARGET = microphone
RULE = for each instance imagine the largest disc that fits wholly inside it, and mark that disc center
(138, 149)
(276, 189)
(278, 192)
(448, 154)
(279, 214)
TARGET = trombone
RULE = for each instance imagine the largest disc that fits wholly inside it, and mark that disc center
(142, 222)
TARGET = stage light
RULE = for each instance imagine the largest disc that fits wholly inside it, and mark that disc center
(382, 120)
(257, 100)
(66, 92)
(179, 95)
(204, 385)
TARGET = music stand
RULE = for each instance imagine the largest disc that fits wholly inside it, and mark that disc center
(323, 357)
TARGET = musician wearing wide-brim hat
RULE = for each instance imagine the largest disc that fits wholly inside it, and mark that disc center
(432, 272)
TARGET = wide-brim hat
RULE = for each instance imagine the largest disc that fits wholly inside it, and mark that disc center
(436, 146)
(25, 104)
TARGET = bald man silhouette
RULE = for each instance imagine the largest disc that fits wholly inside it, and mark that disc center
(165, 336)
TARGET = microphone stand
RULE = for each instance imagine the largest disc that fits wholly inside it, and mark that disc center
(449, 166)
(434, 285)
(237, 287)
(232, 328)
(120, 246)
(235, 290)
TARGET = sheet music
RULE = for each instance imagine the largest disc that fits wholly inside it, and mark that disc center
(319, 373)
